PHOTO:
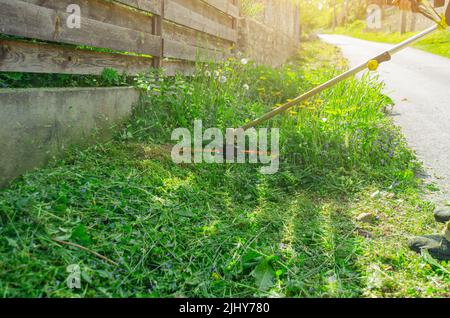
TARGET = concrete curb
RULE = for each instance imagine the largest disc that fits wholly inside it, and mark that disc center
(40, 123)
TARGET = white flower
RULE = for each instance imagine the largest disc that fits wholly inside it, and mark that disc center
(332, 279)
(216, 73)
(244, 61)
(324, 120)
(208, 74)
(222, 79)
(246, 87)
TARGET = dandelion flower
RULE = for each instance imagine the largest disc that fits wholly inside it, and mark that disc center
(246, 87)
(222, 79)
(244, 61)
(216, 276)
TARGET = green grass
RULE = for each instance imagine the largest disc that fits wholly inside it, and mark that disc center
(437, 43)
(226, 230)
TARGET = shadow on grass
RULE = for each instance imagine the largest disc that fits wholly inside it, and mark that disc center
(175, 230)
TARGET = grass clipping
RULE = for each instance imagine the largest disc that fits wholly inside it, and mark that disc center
(150, 228)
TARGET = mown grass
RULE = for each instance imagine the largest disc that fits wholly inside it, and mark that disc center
(227, 230)
(437, 43)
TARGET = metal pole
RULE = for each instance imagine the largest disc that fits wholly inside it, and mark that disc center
(413, 39)
(384, 57)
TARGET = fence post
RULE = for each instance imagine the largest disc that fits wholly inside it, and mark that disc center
(235, 24)
(402, 22)
(157, 29)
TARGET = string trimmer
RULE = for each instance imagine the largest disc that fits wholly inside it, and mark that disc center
(442, 22)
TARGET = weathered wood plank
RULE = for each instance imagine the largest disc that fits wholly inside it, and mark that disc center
(225, 6)
(183, 51)
(172, 68)
(21, 56)
(152, 6)
(24, 19)
(188, 18)
(103, 11)
(206, 10)
(192, 37)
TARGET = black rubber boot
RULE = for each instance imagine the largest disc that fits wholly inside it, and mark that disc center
(437, 246)
(442, 216)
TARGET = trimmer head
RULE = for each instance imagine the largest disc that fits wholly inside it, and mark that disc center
(425, 8)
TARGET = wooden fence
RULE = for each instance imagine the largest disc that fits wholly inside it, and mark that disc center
(127, 35)
(280, 15)
(270, 35)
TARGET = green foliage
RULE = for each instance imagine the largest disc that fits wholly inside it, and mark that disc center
(226, 230)
(264, 275)
(345, 129)
(324, 14)
(314, 15)
(81, 235)
(109, 77)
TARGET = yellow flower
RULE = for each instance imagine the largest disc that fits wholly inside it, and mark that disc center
(216, 276)
(263, 78)
(293, 113)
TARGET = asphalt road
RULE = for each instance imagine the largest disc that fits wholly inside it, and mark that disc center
(419, 84)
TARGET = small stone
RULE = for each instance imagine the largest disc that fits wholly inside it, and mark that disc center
(366, 218)
(364, 233)
(442, 216)
(447, 232)
(437, 246)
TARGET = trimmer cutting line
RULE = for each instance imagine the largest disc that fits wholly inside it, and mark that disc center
(441, 23)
